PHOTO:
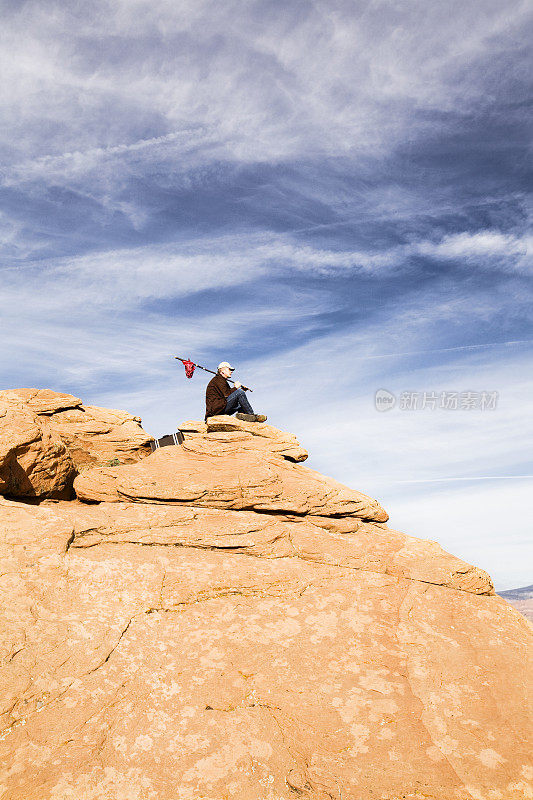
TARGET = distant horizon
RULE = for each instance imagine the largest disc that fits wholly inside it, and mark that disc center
(518, 589)
(333, 195)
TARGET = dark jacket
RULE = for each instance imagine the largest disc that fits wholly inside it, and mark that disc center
(217, 392)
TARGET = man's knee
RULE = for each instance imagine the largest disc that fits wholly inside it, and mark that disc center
(239, 392)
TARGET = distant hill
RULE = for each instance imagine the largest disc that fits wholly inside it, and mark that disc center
(522, 599)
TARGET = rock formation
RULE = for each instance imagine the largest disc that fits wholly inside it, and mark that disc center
(252, 437)
(47, 438)
(217, 622)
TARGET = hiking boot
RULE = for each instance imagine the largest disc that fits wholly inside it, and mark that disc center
(246, 417)
(260, 417)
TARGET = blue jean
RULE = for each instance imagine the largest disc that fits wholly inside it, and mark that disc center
(237, 401)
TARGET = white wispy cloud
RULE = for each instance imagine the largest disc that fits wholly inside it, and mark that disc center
(320, 77)
(135, 275)
(125, 94)
(77, 164)
(483, 247)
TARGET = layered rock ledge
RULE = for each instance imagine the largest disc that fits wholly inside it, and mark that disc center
(216, 620)
(47, 438)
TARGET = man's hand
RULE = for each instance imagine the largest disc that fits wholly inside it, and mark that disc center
(238, 385)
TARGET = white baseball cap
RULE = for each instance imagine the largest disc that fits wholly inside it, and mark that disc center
(225, 364)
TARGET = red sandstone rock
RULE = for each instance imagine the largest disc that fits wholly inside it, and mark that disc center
(96, 435)
(226, 432)
(47, 437)
(234, 478)
(34, 462)
(175, 652)
(277, 441)
(234, 626)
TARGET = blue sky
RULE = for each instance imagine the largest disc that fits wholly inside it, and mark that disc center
(333, 195)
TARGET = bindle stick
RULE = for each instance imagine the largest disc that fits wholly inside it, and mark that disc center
(246, 388)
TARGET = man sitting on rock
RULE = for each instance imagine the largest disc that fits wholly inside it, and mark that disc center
(221, 398)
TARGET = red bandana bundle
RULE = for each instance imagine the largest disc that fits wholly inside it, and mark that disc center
(189, 367)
